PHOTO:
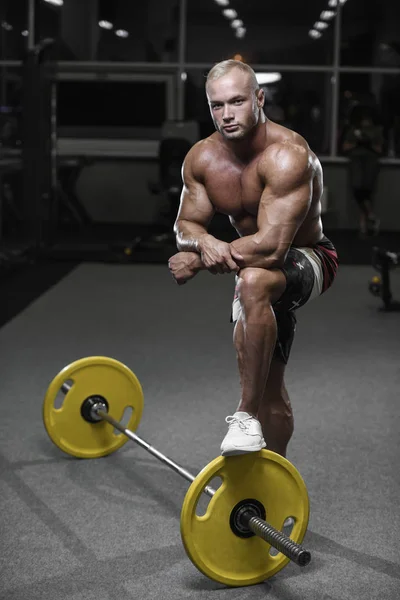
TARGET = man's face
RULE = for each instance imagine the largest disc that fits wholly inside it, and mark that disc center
(234, 105)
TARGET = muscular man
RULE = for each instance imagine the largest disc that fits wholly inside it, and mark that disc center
(269, 183)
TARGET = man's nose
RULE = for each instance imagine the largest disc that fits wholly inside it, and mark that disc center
(227, 114)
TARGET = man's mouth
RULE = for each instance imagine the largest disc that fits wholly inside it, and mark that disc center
(230, 127)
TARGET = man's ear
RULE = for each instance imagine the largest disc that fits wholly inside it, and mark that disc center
(260, 98)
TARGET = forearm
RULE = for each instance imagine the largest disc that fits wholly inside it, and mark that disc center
(263, 262)
(260, 261)
(256, 252)
(189, 236)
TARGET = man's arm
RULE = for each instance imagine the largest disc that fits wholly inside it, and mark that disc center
(350, 141)
(195, 209)
(194, 215)
(284, 204)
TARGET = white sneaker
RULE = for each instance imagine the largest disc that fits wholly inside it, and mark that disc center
(244, 435)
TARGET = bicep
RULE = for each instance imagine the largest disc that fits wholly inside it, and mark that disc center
(282, 211)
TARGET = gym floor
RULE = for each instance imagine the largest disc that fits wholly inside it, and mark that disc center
(108, 528)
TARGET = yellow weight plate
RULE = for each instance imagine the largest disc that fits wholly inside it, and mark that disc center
(92, 376)
(209, 540)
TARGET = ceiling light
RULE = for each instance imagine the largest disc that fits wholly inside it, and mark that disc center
(222, 2)
(327, 15)
(105, 25)
(266, 78)
(25, 33)
(6, 26)
(55, 2)
(229, 13)
(314, 33)
(240, 32)
(237, 23)
(321, 25)
(122, 33)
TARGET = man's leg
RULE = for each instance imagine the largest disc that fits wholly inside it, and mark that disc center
(256, 331)
(367, 214)
(275, 411)
(254, 337)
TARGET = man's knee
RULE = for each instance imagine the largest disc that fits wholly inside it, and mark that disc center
(258, 284)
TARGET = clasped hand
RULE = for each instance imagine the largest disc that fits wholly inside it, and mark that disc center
(216, 256)
(184, 266)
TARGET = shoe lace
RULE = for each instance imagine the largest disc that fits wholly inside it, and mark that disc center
(232, 421)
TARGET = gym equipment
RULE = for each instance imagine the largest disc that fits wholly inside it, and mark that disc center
(77, 436)
(262, 484)
(174, 145)
(16, 250)
(384, 261)
(375, 286)
(227, 543)
(39, 153)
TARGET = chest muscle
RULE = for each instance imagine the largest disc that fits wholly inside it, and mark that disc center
(234, 191)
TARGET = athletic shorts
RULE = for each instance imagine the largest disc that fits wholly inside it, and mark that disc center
(309, 273)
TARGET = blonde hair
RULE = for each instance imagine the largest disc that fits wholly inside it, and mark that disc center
(226, 66)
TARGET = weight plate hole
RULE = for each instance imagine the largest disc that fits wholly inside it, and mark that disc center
(288, 526)
(62, 392)
(204, 500)
(125, 419)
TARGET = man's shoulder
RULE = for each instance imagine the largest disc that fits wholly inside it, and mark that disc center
(206, 146)
(287, 155)
(203, 152)
(285, 141)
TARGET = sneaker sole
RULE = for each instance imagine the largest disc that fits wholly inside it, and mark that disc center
(243, 450)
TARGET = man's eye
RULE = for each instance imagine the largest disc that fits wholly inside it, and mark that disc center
(216, 106)
(238, 101)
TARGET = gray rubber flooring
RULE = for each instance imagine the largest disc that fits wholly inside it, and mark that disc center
(108, 529)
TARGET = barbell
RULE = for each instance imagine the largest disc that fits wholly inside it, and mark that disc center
(232, 542)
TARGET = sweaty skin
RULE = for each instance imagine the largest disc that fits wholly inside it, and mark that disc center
(217, 180)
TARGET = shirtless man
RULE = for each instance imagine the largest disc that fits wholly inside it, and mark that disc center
(268, 181)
